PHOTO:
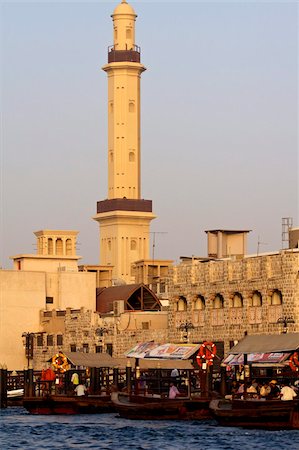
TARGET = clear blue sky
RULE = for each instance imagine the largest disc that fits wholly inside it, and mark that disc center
(219, 120)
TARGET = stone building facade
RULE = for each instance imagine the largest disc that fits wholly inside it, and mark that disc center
(221, 300)
(84, 330)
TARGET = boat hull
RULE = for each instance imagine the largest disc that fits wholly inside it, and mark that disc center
(60, 404)
(149, 408)
(269, 414)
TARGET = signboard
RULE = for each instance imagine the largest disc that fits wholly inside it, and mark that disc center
(234, 360)
(163, 351)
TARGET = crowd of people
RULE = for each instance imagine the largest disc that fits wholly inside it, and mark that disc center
(264, 390)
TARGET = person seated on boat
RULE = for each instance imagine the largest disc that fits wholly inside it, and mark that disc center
(173, 391)
(286, 392)
(174, 373)
(80, 390)
(251, 389)
(234, 387)
(265, 390)
(275, 391)
(240, 390)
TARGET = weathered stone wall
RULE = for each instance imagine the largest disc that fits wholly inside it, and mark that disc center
(265, 274)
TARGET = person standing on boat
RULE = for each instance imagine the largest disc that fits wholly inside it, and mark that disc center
(75, 379)
(173, 391)
(80, 390)
(286, 392)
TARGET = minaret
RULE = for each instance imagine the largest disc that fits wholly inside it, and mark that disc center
(124, 218)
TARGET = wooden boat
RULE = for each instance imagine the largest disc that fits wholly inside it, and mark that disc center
(149, 407)
(63, 404)
(256, 413)
(15, 397)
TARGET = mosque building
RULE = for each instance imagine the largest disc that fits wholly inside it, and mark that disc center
(58, 304)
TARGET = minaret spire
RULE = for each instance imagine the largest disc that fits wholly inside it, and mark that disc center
(124, 217)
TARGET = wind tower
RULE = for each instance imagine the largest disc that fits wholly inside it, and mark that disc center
(124, 218)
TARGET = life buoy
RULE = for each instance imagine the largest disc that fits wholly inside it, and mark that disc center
(60, 362)
(206, 353)
(294, 362)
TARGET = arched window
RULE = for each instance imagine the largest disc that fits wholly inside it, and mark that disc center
(256, 299)
(50, 246)
(111, 107)
(199, 303)
(111, 157)
(59, 247)
(182, 304)
(109, 245)
(236, 301)
(131, 156)
(218, 301)
(276, 298)
(128, 33)
(131, 107)
(68, 246)
(133, 244)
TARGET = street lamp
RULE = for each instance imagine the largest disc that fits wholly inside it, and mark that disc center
(28, 345)
(285, 321)
(186, 327)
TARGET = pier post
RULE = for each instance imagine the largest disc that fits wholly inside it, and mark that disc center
(3, 388)
(92, 387)
(129, 376)
(223, 380)
(115, 376)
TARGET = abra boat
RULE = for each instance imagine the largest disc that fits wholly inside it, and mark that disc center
(147, 407)
(63, 404)
(256, 413)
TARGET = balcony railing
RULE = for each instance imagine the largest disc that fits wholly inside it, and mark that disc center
(132, 55)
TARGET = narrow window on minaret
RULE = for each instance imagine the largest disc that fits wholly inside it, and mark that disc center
(131, 107)
(111, 107)
(133, 245)
(131, 156)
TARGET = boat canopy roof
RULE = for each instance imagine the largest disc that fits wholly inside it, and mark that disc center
(94, 360)
(270, 343)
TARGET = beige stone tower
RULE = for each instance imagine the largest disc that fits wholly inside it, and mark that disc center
(124, 218)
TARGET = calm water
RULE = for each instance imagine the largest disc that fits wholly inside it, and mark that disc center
(23, 431)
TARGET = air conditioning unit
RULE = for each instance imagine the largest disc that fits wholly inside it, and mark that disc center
(118, 307)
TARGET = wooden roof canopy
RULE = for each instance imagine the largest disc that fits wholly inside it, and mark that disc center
(136, 297)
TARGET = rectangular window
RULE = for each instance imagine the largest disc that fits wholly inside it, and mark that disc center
(73, 347)
(109, 349)
(85, 348)
(60, 313)
(99, 349)
(145, 325)
(59, 339)
(50, 340)
(39, 340)
(49, 300)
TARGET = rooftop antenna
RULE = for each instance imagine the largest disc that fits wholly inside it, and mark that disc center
(154, 241)
(259, 243)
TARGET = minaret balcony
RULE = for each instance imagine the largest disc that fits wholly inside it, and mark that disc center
(132, 55)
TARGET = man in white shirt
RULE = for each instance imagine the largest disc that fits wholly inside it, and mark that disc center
(80, 390)
(287, 393)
